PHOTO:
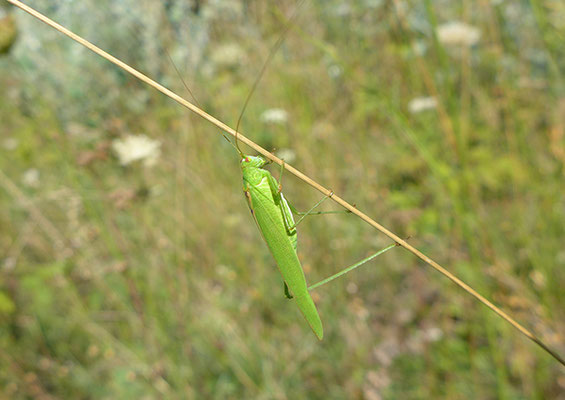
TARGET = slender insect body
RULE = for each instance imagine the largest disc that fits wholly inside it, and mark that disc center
(274, 219)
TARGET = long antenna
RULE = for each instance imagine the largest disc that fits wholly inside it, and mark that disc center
(272, 53)
(182, 79)
(296, 173)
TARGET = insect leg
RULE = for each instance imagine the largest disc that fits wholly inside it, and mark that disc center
(280, 176)
(312, 212)
(352, 267)
(287, 291)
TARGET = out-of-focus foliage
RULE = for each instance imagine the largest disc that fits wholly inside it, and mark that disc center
(443, 120)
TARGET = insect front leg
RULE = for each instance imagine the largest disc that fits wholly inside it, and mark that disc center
(288, 209)
(276, 186)
(283, 204)
(312, 212)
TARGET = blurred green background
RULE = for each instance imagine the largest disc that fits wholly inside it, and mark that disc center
(130, 266)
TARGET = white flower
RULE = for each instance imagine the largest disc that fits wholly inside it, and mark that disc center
(288, 155)
(274, 116)
(458, 33)
(137, 147)
(228, 55)
(10, 143)
(433, 334)
(420, 104)
(31, 177)
(334, 71)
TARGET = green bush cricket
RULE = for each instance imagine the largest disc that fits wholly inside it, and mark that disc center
(275, 221)
(273, 215)
(274, 218)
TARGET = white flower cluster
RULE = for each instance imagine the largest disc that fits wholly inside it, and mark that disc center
(288, 155)
(228, 55)
(137, 148)
(30, 178)
(274, 116)
(458, 33)
(420, 104)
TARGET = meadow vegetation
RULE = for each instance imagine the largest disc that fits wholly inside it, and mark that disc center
(130, 266)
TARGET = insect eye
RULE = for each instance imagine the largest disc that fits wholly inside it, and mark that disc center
(246, 159)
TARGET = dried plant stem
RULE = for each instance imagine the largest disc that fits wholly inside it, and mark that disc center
(294, 171)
